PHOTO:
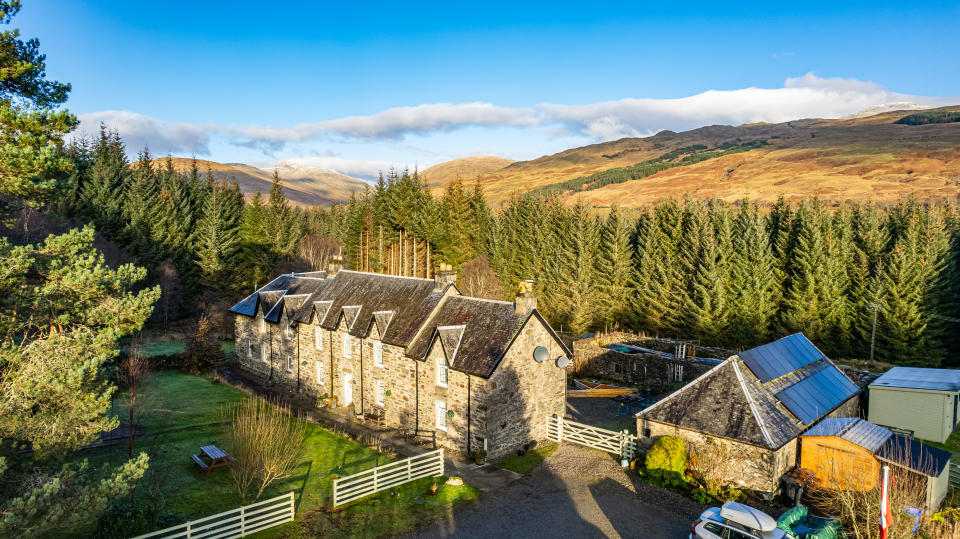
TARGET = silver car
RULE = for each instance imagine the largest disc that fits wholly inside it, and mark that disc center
(735, 521)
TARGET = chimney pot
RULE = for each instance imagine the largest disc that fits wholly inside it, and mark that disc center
(335, 265)
(444, 276)
(526, 300)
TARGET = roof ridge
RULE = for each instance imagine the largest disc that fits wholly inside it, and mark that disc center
(425, 279)
(461, 296)
(753, 406)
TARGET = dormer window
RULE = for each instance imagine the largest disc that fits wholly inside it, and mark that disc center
(263, 325)
(347, 348)
(442, 372)
(287, 333)
(378, 353)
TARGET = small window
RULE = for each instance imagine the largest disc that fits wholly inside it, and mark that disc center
(263, 325)
(318, 338)
(289, 363)
(264, 354)
(287, 333)
(347, 349)
(380, 392)
(618, 368)
(250, 348)
(442, 372)
(378, 353)
(441, 415)
(320, 372)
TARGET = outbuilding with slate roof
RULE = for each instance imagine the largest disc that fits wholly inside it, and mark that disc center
(753, 406)
(412, 351)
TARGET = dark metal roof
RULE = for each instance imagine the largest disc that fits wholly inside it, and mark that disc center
(783, 356)
(814, 396)
(914, 455)
(854, 430)
(920, 378)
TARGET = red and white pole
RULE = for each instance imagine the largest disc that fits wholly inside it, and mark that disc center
(885, 519)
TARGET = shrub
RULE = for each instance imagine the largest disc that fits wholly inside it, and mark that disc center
(122, 519)
(666, 460)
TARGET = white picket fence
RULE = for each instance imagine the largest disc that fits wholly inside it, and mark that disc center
(237, 522)
(356, 486)
(563, 430)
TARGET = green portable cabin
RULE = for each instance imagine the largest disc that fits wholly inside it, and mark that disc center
(917, 400)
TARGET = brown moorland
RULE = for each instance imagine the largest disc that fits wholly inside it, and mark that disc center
(303, 186)
(465, 169)
(870, 158)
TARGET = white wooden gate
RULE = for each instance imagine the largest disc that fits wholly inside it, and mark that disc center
(352, 487)
(235, 522)
(563, 430)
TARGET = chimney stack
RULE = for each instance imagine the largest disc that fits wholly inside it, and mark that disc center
(444, 275)
(335, 265)
(525, 299)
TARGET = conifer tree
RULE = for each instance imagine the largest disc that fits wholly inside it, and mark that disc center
(103, 189)
(658, 277)
(614, 268)
(706, 248)
(755, 277)
(218, 235)
(571, 293)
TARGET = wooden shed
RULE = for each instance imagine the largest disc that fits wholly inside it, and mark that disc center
(848, 453)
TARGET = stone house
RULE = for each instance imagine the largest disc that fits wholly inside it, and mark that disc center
(414, 351)
(753, 407)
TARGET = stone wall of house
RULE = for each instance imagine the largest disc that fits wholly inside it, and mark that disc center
(745, 466)
(399, 377)
(653, 371)
(522, 393)
(315, 363)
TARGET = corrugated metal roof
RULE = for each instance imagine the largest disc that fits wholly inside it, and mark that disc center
(817, 394)
(854, 430)
(920, 378)
(780, 357)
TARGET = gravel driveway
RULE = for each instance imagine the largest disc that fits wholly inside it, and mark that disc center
(576, 492)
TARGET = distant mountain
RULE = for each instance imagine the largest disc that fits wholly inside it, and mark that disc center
(856, 158)
(465, 168)
(302, 185)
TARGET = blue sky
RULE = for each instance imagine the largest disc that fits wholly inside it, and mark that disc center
(358, 86)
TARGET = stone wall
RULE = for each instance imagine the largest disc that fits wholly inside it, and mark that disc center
(746, 466)
(506, 412)
(522, 393)
(656, 372)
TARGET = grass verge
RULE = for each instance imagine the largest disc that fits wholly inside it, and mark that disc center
(529, 460)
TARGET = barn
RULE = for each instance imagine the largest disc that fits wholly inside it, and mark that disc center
(922, 402)
(848, 453)
(754, 406)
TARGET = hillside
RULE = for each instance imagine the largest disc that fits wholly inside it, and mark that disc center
(302, 185)
(466, 168)
(858, 158)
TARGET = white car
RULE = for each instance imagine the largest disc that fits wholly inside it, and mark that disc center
(735, 521)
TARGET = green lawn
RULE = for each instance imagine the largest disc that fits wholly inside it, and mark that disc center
(184, 414)
(171, 347)
(952, 445)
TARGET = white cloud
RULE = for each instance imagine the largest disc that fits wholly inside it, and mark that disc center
(139, 131)
(807, 96)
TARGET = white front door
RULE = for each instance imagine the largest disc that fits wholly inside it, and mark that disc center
(347, 389)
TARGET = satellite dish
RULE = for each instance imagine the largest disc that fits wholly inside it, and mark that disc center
(563, 361)
(540, 354)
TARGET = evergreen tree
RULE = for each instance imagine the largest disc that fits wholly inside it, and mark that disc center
(614, 269)
(570, 293)
(755, 277)
(218, 235)
(103, 188)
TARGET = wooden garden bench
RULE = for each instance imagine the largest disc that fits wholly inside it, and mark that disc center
(218, 457)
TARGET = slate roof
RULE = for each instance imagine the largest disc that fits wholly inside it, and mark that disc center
(854, 430)
(732, 400)
(920, 378)
(475, 333)
(482, 330)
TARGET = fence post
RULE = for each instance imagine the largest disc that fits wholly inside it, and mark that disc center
(559, 427)
(293, 508)
(408, 470)
(189, 535)
(243, 521)
(376, 474)
(335, 504)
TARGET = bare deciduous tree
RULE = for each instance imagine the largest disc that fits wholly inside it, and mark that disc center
(709, 461)
(479, 280)
(132, 375)
(317, 250)
(265, 440)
